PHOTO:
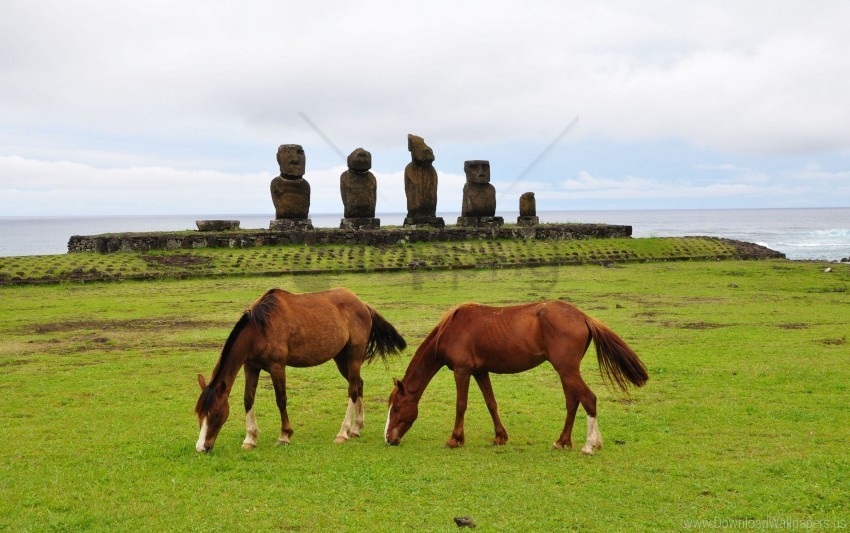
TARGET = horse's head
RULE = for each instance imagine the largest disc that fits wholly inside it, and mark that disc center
(213, 410)
(404, 408)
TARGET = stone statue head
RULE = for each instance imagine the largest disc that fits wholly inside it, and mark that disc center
(360, 160)
(292, 160)
(477, 171)
(418, 149)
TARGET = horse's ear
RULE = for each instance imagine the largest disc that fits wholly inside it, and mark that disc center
(398, 385)
(202, 382)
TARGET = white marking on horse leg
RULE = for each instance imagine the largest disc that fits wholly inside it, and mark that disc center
(199, 446)
(594, 439)
(387, 427)
(344, 430)
(359, 417)
(597, 436)
(252, 432)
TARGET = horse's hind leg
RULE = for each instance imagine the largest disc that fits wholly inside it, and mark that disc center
(252, 432)
(360, 412)
(352, 423)
(577, 392)
(486, 387)
(582, 393)
(594, 437)
(566, 438)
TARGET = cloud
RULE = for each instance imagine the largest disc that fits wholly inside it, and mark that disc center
(587, 186)
(64, 188)
(712, 76)
(193, 98)
(813, 172)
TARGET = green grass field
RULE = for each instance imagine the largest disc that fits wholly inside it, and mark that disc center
(744, 419)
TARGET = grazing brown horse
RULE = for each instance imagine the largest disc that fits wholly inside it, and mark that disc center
(283, 329)
(474, 340)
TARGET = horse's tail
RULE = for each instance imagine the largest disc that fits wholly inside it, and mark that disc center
(617, 362)
(384, 339)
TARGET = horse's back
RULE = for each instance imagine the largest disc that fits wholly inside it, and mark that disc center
(503, 340)
(315, 326)
(512, 338)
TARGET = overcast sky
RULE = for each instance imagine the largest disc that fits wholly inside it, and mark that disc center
(173, 107)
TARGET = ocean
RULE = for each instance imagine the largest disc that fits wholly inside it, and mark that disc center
(801, 234)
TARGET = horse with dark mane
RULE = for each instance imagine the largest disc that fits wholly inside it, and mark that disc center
(474, 340)
(284, 329)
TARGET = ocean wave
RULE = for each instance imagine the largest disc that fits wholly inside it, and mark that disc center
(811, 244)
(837, 233)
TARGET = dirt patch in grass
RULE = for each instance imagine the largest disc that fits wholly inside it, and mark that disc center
(834, 342)
(695, 325)
(178, 260)
(137, 324)
(13, 362)
(793, 325)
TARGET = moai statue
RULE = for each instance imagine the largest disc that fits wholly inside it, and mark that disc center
(479, 196)
(290, 191)
(527, 210)
(420, 185)
(359, 189)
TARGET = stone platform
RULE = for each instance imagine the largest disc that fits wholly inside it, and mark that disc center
(246, 238)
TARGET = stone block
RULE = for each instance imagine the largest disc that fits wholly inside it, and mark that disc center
(217, 225)
(290, 224)
(436, 222)
(480, 222)
(360, 223)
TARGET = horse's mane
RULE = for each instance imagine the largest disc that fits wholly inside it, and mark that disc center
(256, 315)
(444, 323)
(429, 346)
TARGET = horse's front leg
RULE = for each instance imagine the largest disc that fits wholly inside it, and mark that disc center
(462, 384)
(252, 432)
(486, 387)
(278, 373)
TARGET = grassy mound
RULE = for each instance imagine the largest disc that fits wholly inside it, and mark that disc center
(307, 259)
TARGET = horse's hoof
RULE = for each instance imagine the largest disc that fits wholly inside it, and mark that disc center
(340, 439)
(499, 442)
(282, 442)
(557, 446)
(453, 443)
(248, 445)
(587, 450)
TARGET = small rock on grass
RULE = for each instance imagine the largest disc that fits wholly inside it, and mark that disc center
(464, 521)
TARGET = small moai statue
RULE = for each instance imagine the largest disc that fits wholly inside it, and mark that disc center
(420, 185)
(359, 190)
(527, 210)
(290, 191)
(479, 196)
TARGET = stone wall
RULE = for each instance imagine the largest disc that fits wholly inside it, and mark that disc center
(142, 242)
